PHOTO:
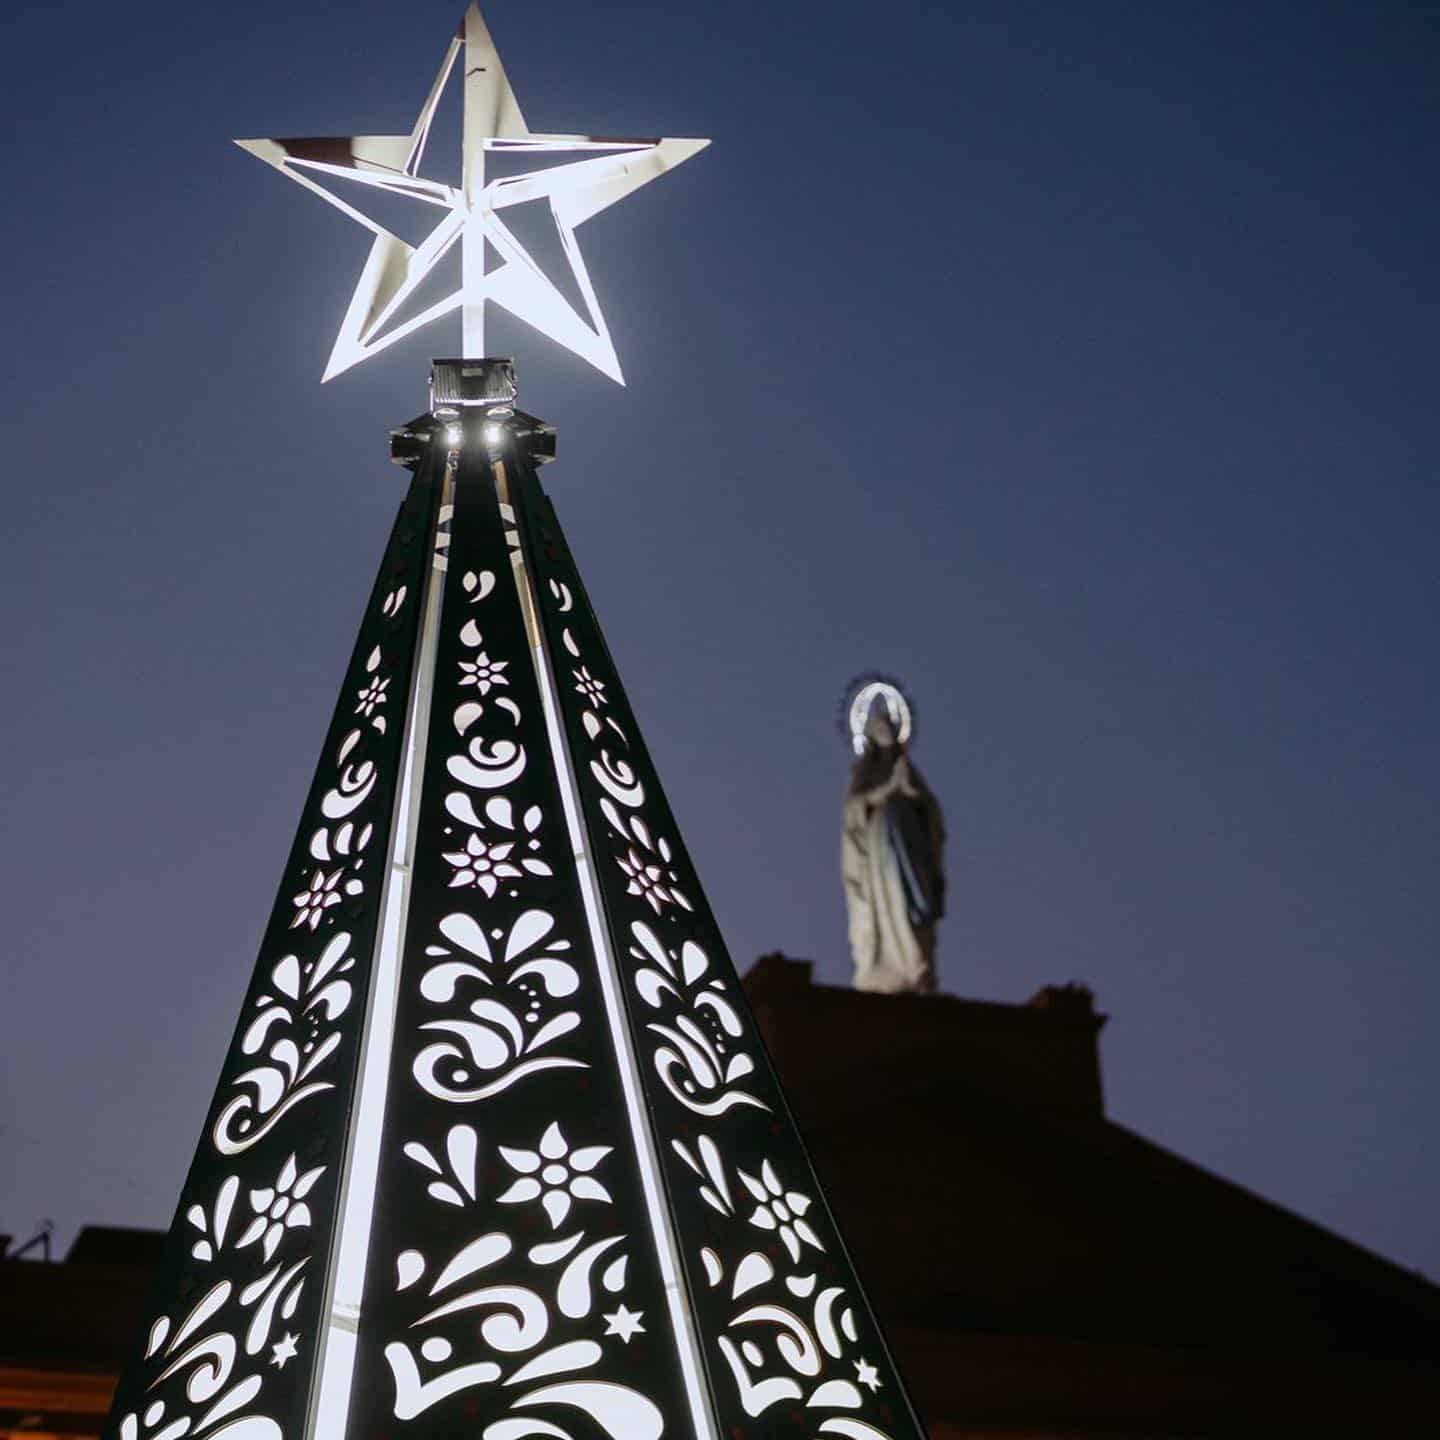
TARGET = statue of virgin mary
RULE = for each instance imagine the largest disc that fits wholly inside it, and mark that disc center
(890, 854)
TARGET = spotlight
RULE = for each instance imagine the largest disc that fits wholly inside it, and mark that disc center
(493, 434)
(453, 436)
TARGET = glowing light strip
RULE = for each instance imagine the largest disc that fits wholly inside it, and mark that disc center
(335, 1363)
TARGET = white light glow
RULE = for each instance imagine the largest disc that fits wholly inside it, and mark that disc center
(471, 214)
(453, 436)
(896, 707)
(494, 433)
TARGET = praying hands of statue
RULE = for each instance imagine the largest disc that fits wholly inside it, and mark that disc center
(901, 777)
(897, 780)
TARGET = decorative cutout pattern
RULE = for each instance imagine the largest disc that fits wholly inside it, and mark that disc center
(513, 1319)
(513, 1286)
(808, 1351)
(790, 1341)
(490, 1051)
(296, 1031)
(239, 1278)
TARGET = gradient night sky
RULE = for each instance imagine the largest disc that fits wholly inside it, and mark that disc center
(1075, 362)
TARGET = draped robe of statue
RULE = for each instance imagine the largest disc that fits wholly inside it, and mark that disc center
(891, 862)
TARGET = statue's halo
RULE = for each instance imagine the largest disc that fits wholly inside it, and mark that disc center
(861, 694)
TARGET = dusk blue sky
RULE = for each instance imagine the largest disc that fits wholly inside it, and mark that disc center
(1074, 361)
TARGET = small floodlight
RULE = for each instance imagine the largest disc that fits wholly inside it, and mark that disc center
(472, 382)
(493, 434)
(453, 435)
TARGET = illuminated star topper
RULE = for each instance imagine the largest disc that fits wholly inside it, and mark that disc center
(472, 215)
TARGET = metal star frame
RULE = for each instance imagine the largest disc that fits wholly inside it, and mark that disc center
(472, 215)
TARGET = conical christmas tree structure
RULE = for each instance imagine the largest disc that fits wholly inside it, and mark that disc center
(496, 1150)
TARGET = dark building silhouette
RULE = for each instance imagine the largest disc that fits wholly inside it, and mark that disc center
(1042, 1271)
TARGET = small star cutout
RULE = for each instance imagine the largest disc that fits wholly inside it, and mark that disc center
(284, 1350)
(625, 1323)
(867, 1375)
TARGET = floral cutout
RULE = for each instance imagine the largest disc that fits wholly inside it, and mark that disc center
(589, 687)
(482, 672)
(280, 1207)
(484, 861)
(318, 896)
(779, 1209)
(556, 1174)
(371, 696)
(648, 862)
(645, 880)
(483, 865)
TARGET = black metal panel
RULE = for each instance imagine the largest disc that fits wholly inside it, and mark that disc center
(790, 1342)
(512, 1282)
(231, 1342)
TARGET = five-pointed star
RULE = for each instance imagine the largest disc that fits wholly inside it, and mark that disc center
(625, 1323)
(284, 1349)
(470, 216)
(867, 1375)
